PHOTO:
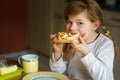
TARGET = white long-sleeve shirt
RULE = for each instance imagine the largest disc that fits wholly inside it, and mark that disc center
(96, 65)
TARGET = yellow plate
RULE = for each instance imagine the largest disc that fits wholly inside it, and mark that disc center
(45, 75)
(12, 74)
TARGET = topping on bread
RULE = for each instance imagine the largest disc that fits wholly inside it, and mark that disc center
(64, 37)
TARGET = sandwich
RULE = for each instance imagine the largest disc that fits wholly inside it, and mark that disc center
(64, 37)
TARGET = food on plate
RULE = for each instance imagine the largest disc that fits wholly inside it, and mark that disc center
(8, 69)
(64, 37)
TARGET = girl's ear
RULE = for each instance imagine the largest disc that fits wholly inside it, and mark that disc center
(96, 25)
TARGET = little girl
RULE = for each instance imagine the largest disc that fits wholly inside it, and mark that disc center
(92, 57)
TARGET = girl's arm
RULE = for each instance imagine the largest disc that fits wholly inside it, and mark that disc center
(56, 62)
(57, 66)
(101, 67)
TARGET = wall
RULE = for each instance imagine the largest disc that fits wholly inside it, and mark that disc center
(12, 26)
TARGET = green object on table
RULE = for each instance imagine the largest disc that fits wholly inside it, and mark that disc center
(12, 74)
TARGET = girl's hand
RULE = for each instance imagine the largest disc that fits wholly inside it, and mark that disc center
(57, 47)
(81, 46)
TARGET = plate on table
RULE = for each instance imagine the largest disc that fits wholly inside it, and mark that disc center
(45, 75)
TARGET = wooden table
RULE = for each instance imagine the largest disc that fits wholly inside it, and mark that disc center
(19, 77)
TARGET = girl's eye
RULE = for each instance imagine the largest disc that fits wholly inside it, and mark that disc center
(79, 23)
(68, 23)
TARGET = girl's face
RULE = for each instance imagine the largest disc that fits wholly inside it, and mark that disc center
(81, 24)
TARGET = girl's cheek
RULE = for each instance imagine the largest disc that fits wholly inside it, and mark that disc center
(82, 32)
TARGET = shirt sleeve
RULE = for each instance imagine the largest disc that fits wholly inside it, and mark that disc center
(100, 67)
(57, 66)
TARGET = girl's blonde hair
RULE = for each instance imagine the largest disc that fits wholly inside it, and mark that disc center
(94, 13)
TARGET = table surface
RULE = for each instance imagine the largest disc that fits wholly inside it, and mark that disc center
(19, 77)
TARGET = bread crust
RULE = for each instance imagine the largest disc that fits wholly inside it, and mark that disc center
(63, 40)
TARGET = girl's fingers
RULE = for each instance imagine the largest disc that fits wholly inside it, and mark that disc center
(81, 40)
(52, 36)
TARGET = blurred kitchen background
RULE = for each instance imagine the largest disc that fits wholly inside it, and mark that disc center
(25, 26)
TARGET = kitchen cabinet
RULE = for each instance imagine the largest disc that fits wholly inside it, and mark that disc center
(111, 18)
(44, 17)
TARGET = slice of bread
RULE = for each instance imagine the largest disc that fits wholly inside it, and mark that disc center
(64, 37)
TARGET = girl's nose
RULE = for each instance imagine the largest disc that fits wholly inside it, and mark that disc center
(72, 27)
